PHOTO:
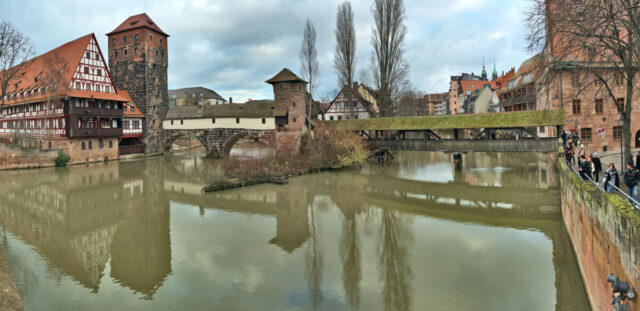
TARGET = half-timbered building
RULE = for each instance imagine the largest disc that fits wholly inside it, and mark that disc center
(349, 104)
(131, 139)
(65, 99)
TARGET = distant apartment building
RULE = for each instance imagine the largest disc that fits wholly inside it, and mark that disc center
(194, 96)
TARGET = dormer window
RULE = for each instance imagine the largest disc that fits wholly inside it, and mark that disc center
(36, 79)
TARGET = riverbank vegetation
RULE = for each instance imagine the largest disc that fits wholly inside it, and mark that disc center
(321, 149)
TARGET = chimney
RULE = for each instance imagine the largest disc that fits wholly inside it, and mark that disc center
(230, 100)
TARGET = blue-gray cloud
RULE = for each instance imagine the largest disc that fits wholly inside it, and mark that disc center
(234, 46)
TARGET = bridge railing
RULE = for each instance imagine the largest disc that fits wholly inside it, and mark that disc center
(522, 145)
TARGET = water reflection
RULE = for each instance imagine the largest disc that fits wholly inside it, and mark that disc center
(363, 239)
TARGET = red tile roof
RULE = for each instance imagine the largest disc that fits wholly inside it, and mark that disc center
(65, 57)
(285, 75)
(137, 21)
(128, 113)
(472, 85)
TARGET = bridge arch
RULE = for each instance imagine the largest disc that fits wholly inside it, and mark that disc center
(259, 136)
(173, 136)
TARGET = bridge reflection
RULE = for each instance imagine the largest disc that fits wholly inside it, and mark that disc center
(83, 218)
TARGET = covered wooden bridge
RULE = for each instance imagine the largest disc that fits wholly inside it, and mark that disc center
(490, 132)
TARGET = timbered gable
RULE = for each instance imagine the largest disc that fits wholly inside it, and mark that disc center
(346, 101)
(92, 73)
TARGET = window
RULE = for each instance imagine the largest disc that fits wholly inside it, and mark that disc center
(237, 120)
(100, 143)
(150, 37)
(181, 122)
(575, 78)
(171, 122)
(526, 79)
(114, 40)
(135, 51)
(576, 106)
(294, 104)
(110, 144)
(585, 134)
(617, 133)
(620, 102)
(125, 39)
(160, 40)
(90, 145)
(619, 79)
(264, 120)
(213, 121)
(599, 106)
(86, 70)
(136, 37)
(125, 52)
(88, 55)
(83, 146)
(331, 118)
(542, 129)
(116, 54)
(99, 72)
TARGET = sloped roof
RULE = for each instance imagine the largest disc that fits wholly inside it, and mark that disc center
(200, 92)
(138, 21)
(472, 85)
(65, 57)
(365, 103)
(253, 109)
(128, 113)
(285, 75)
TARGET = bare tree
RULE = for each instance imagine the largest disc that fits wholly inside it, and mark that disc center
(53, 87)
(596, 41)
(15, 50)
(309, 60)
(344, 61)
(390, 69)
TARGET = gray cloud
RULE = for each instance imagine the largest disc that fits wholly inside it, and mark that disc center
(234, 46)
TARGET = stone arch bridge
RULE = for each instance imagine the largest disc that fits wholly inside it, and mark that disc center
(218, 142)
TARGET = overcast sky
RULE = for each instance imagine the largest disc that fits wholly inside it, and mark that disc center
(233, 46)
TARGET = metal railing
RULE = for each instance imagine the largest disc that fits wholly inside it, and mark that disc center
(618, 191)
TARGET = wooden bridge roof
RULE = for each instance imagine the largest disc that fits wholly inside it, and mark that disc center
(465, 121)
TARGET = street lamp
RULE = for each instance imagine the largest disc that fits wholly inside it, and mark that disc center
(621, 123)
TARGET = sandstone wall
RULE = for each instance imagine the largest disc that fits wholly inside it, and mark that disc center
(604, 232)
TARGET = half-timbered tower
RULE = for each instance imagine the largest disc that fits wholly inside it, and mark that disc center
(138, 61)
(65, 99)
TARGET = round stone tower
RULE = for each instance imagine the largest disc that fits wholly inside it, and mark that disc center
(290, 94)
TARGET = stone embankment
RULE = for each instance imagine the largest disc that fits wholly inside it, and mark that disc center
(605, 234)
(9, 297)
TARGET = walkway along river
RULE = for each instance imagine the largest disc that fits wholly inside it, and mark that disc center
(415, 235)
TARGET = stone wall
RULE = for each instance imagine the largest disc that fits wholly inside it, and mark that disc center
(604, 231)
(218, 142)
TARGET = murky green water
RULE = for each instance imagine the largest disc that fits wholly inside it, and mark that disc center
(415, 235)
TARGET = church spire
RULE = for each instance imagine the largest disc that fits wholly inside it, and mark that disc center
(494, 75)
(484, 71)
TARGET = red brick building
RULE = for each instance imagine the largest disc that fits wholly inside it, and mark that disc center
(65, 99)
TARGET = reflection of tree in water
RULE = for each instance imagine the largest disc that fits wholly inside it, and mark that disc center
(394, 263)
(350, 255)
(314, 261)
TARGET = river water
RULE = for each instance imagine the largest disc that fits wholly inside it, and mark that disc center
(412, 235)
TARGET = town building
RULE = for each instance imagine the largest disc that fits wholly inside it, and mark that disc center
(441, 108)
(65, 99)
(519, 94)
(138, 59)
(131, 139)
(194, 96)
(481, 101)
(350, 104)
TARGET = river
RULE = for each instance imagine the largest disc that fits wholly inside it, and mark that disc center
(412, 235)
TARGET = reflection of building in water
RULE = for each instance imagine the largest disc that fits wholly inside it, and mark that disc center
(74, 218)
(292, 226)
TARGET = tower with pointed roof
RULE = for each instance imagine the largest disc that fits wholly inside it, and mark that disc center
(494, 75)
(138, 60)
(290, 94)
(484, 71)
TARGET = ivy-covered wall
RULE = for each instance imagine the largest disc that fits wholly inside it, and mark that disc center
(604, 233)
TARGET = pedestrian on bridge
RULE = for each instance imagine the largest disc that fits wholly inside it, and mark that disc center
(597, 167)
(564, 137)
(569, 149)
(631, 179)
(585, 167)
(611, 178)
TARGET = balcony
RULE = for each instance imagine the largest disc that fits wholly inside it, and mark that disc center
(80, 111)
(94, 132)
(133, 149)
(528, 98)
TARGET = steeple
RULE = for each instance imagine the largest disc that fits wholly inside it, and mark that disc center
(484, 71)
(494, 75)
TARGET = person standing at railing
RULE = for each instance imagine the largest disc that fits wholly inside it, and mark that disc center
(597, 167)
(585, 167)
(611, 177)
(631, 179)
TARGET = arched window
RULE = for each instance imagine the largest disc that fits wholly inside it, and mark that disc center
(83, 146)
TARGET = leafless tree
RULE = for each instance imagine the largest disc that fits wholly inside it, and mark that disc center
(390, 69)
(15, 50)
(309, 60)
(596, 41)
(53, 86)
(344, 61)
